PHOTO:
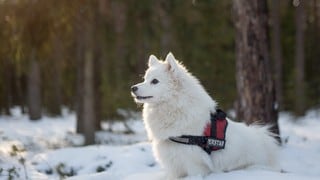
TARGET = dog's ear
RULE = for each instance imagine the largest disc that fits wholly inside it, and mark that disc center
(172, 63)
(153, 60)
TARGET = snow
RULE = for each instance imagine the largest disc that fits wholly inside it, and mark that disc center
(50, 149)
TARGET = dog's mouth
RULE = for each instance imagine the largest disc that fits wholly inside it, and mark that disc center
(137, 97)
(143, 97)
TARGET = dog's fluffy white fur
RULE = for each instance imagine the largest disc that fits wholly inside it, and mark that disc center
(175, 104)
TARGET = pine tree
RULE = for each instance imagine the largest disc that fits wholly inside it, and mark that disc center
(256, 94)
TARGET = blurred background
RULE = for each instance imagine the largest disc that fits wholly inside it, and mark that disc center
(66, 68)
(53, 53)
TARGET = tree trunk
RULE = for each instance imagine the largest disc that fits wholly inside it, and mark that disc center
(85, 98)
(98, 58)
(7, 86)
(299, 58)
(120, 22)
(277, 52)
(88, 99)
(97, 94)
(54, 104)
(256, 94)
(79, 90)
(86, 117)
(317, 63)
(34, 89)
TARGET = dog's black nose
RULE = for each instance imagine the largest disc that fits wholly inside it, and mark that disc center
(134, 88)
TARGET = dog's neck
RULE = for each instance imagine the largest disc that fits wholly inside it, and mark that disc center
(173, 118)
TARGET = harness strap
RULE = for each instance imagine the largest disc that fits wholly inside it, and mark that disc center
(214, 134)
(207, 143)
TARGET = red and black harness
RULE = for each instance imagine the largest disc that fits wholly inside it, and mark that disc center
(213, 136)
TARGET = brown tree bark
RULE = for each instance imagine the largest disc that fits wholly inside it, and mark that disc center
(34, 88)
(86, 117)
(256, 94)
(277, 51)
(300, 24)
(89, 99)
(317, 29)
(79, 90)
(6, 101)
(120, 22)
(55, 84)
(99, 57)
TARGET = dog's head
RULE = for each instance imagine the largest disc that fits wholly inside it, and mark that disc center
(160, 81)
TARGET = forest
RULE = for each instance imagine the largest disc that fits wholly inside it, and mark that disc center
(67, 68)
(54, 52)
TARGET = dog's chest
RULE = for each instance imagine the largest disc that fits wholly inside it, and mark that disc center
(172, 154)
(161, 124)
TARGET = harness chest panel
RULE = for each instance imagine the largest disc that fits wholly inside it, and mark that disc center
(214, 134)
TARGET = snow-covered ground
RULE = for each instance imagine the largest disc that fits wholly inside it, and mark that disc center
(49, 149)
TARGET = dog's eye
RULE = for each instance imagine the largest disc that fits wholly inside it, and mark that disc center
(154, 81)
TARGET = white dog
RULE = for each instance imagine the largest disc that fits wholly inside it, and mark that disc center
(175, 104)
